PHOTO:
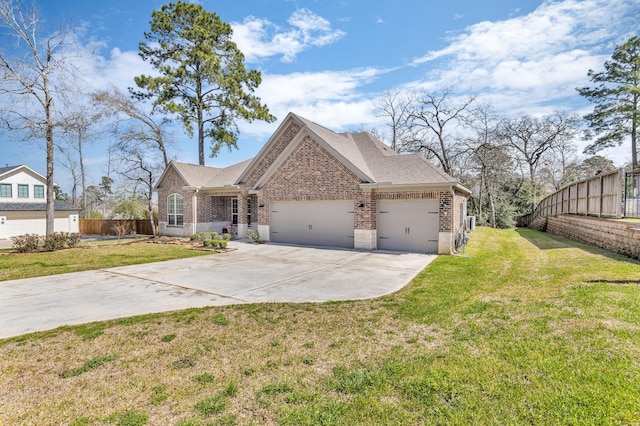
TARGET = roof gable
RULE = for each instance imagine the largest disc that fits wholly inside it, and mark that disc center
(6, 172)
(196, 176)
(280, 146)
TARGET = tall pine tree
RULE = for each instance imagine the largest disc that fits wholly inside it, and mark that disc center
(202, 77)
(616, 96)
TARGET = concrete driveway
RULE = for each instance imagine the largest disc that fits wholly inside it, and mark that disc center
(249, 274)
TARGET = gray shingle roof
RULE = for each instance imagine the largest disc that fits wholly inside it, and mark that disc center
(7, 169)
(59, 206)
(210, 177)
(386, 165)
(366, 156)
(378, 161)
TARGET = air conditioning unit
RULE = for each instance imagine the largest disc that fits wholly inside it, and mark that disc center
(471, 223)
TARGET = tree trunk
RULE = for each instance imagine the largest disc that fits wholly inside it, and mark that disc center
(492, 208)
(51, 212)
(82, 178)
(200, 122)
(634, 134)
(480, 219)
(532, 179)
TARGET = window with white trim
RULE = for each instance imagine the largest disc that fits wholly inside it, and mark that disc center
(23, 191)
(38, 191)
(234, 211)
(174, 210)
(5, 190)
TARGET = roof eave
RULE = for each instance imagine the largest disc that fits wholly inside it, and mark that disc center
(436, 186)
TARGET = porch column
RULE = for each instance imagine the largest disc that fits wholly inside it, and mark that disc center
(194, 207)
(242, 215)
(261, 215)
(365, 219)
(445, 235)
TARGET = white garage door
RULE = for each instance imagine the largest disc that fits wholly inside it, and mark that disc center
(408, 225)
(318, 223)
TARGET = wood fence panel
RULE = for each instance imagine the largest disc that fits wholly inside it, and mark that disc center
(597, 196)
(112, 226)
(582, 201)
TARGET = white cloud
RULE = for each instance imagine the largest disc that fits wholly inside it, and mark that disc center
(335, 99)
(531, 60)
(260, 38)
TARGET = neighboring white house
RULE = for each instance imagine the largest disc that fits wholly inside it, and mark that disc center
(23, 197)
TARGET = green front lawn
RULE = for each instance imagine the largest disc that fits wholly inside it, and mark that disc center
(529, 329)
(97, 255)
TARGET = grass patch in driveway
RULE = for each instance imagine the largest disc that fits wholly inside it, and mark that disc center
(530, 329)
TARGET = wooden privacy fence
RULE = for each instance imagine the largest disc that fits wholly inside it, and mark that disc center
(110, 226)
(599, 196)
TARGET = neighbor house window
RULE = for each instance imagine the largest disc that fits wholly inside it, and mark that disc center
(23, 191)
(234, 211)
(5, 190)
(174, 210)
(38, 191)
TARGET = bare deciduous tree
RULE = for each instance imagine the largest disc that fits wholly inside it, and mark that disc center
(32, 73)
(395, 107)
(530, 138)
(132, 122)
(78, 128)
(431, 116)
(142, 143)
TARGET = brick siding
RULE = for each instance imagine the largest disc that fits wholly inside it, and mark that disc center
(446, 208)
(173, 184)
(312, 173)
(280, 144)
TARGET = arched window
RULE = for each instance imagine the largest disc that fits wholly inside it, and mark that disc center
(174, 210)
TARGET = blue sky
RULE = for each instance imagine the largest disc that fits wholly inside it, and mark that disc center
(329, 60)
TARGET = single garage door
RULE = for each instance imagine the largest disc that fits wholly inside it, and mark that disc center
(317, 223)
(410, 225)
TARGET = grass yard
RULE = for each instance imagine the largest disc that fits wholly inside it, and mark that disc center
(529, 329)
(88, 256)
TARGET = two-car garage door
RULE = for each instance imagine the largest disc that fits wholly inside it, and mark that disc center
(403, 225)
(410, 225)
(317, 223)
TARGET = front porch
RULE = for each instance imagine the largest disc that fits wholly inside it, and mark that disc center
(232, 213)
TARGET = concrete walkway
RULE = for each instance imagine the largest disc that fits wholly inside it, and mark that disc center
(249, 274)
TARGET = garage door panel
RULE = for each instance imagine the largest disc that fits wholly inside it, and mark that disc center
(408, 225)
(322, 223)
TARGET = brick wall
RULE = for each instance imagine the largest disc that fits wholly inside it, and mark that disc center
(312, 173)
(280, 144)
(172, 184)
(615, 235)
(446, 209)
